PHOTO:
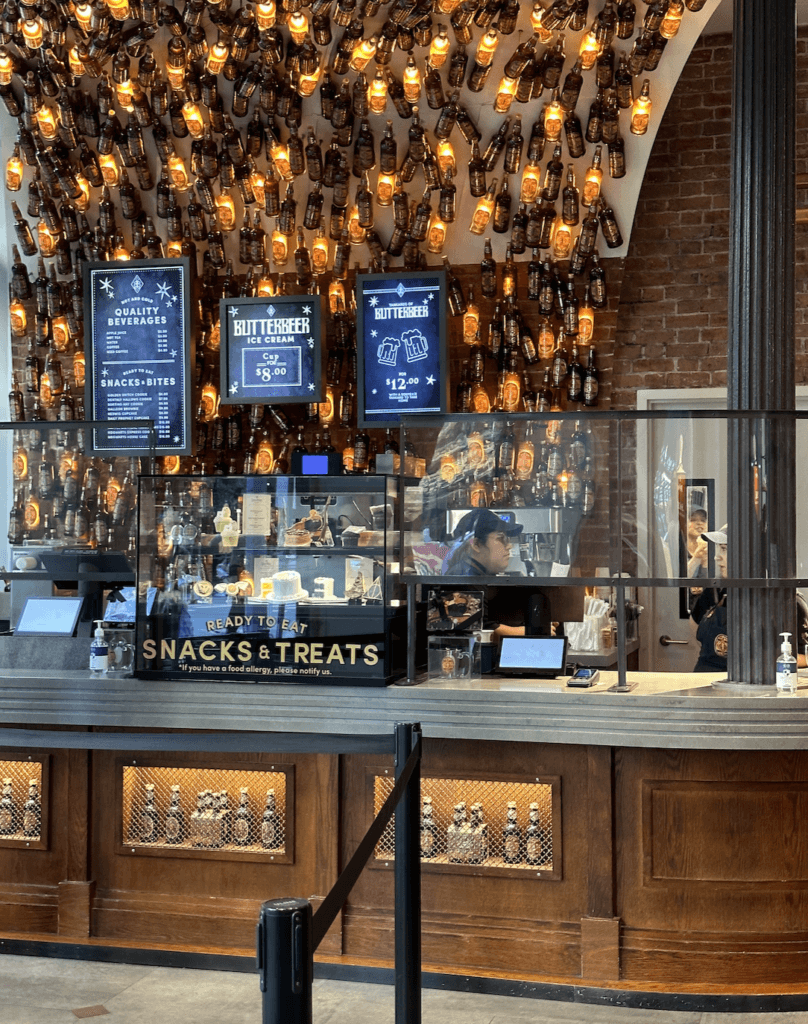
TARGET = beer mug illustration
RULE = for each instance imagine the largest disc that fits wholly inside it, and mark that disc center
(415, 345)
(387, 352)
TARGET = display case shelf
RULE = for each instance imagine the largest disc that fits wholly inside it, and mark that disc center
(202, 811)
(531, 848)
(24, 803)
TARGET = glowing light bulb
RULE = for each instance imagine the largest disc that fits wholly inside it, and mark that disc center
(280, 157)
(76, 63)
(47, 241)
(531, 182)
(487, 47)
(336, 296)
(265, 15)
(505, 94)
(6, 67)
(32, 33)
(436, 235)
(319, 254)
(536, 18)
(178, 173)
(226, 211)
(298, 26)
(192, 116)
(217, 57)
(641, 110)
(561, 241)
(363, 53)
(589, 50)
(119, 9)
(553, 120)
(412, 81)
(385, 186)
(83, 201)
(377, 93)
(265, 286)
(14, 172)
(120, 252)
(280, 248)
(18, 318)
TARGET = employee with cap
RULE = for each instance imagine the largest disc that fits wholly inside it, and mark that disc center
(709, 615)
(482, 547)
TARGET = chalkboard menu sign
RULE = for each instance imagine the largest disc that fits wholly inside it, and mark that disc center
(401, 345)
(270, 349)
(138, 351)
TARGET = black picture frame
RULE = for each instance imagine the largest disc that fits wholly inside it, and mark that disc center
(245, 353)
(137, 333)
(695, 493)
(377, 352)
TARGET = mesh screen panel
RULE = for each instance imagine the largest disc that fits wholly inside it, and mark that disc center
(480, 837)
(204, 809)
(20, 800)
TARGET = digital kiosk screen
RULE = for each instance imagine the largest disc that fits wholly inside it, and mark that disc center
(138, 354)
(401, 345)
(270, 349)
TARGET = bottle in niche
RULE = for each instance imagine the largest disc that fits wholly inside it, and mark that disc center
(512, 836)
(457, 836)
(32, 812)
(429, 831)
(175, 818)
(270, 826)
(147, 829)
(243, 820)
(526, 456)
(478, 836)
(534, 837)
(8, 810)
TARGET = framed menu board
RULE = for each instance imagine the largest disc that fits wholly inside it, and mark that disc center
(270, 349)
(401, 345)
(138, 351)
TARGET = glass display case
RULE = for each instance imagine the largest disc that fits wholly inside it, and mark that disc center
(270, 578)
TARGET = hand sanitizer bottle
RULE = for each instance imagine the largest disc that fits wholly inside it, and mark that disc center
(786, 668)
(99, 651)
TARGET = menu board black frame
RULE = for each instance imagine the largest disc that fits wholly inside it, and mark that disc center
(264, 352)
(148, 351)
(419, 331)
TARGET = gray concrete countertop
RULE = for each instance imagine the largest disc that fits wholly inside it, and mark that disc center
(663, 711)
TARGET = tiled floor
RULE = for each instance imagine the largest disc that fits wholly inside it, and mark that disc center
(36, 990)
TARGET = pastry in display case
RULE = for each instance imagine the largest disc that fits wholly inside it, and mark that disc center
(270, 578)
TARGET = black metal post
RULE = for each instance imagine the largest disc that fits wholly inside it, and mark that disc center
(408, 883)
(761, 466)
(285, 960)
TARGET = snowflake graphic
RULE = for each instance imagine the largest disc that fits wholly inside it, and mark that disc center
(106, 286)
(234, 388)
(307, 309)
(374, 334)
(374, 301)
(430, 379)
(175, 439)
(430, 296)
(173, 353)
(311, 387)
(233, 311)
(163, 289)
(311, 342)
(105, 372)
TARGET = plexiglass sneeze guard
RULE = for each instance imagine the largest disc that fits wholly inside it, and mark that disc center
(625, 495)
(270, 578)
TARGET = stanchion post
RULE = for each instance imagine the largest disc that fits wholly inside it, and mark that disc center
(408, 883)
(285, 960)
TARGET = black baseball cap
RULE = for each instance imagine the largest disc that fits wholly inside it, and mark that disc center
(482, 521)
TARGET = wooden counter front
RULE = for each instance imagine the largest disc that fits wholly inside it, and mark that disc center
(681, 868)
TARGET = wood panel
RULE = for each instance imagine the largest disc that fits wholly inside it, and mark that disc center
(528, 924)
(204, 901)
(27, 907)
(712, 858)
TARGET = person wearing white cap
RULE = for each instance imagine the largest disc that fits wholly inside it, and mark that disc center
(709, 614)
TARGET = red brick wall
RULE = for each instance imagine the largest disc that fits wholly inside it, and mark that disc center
(672, 316)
